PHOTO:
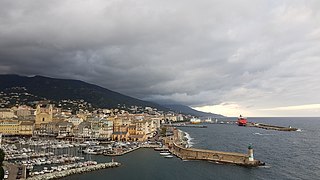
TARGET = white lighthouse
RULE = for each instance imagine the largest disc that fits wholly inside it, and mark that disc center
(250, 153)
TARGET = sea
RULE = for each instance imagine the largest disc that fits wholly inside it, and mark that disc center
(288, 155)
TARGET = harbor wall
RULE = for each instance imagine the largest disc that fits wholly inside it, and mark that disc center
(61, 174)
(177, 148)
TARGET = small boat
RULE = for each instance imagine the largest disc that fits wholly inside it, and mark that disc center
(161, 149)
(168, 156)
(164, 153)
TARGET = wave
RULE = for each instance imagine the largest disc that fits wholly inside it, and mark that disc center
(189, 139)
(266, 166)
(263, 134)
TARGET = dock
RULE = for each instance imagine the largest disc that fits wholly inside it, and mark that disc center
(131, 150)
(121, 153)
(176, 147)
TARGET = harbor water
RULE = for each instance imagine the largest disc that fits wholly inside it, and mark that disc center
(288, 155)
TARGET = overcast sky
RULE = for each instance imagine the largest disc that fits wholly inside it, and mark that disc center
(255, 57)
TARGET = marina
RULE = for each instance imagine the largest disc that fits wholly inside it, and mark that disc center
(42, 158)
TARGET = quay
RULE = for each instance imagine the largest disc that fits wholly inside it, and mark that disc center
(121, 153)
(271, 127)
(176, 146)
(133, 149)
(64, 173)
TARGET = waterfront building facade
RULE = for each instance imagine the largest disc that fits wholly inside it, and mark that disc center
(15, 127)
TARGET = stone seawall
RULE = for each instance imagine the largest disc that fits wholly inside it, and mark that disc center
(175, 145)
(61, 174)
(271, 127)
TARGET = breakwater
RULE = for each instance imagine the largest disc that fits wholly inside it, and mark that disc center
(177, 147)
(271, 127)
(64, 173)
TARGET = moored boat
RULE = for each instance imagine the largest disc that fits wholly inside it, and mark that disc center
(168, 156)
(165, 153)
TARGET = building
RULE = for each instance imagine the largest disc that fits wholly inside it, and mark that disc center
(43, 115)
(15, 127)
(26, 128)
(64, 129)
(120, 133)
(48, 129)
(9, 127)
(6, 114)
(171, 117)
(23, 111)
(83, 130)
(75, 121)
(106, 131)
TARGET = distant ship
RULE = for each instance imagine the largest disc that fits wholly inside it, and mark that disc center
(242, 121)
(195, 121)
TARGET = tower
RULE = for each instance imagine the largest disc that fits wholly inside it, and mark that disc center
(250, 153)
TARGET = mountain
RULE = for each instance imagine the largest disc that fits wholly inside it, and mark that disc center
(38, 88)
(61, 89)
(188, 110)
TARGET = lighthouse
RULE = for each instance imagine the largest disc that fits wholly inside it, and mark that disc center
(250, 153)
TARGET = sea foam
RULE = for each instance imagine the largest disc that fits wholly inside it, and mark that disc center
(190, 143)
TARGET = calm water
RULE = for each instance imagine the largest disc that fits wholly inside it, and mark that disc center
(289, 155)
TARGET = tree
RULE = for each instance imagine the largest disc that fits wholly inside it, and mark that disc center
(1, 172)
(1, 161)
(163, 131)
(2, 154)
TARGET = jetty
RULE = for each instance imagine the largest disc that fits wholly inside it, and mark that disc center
(64, 173)
(120, 153)
(271, 127)
(177, 147)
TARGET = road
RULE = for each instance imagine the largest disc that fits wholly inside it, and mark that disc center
(13, 171)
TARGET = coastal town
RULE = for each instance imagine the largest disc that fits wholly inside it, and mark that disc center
(57, 138)
(46, 139)
(105, 124)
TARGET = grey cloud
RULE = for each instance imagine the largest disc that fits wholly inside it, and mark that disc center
(257, 53)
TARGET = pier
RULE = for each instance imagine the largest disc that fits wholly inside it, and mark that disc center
(121, 152)
(176, 147)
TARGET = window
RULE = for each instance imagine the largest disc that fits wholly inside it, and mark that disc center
(42, 119)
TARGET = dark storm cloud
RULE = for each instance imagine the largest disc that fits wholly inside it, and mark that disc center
(191, 52)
